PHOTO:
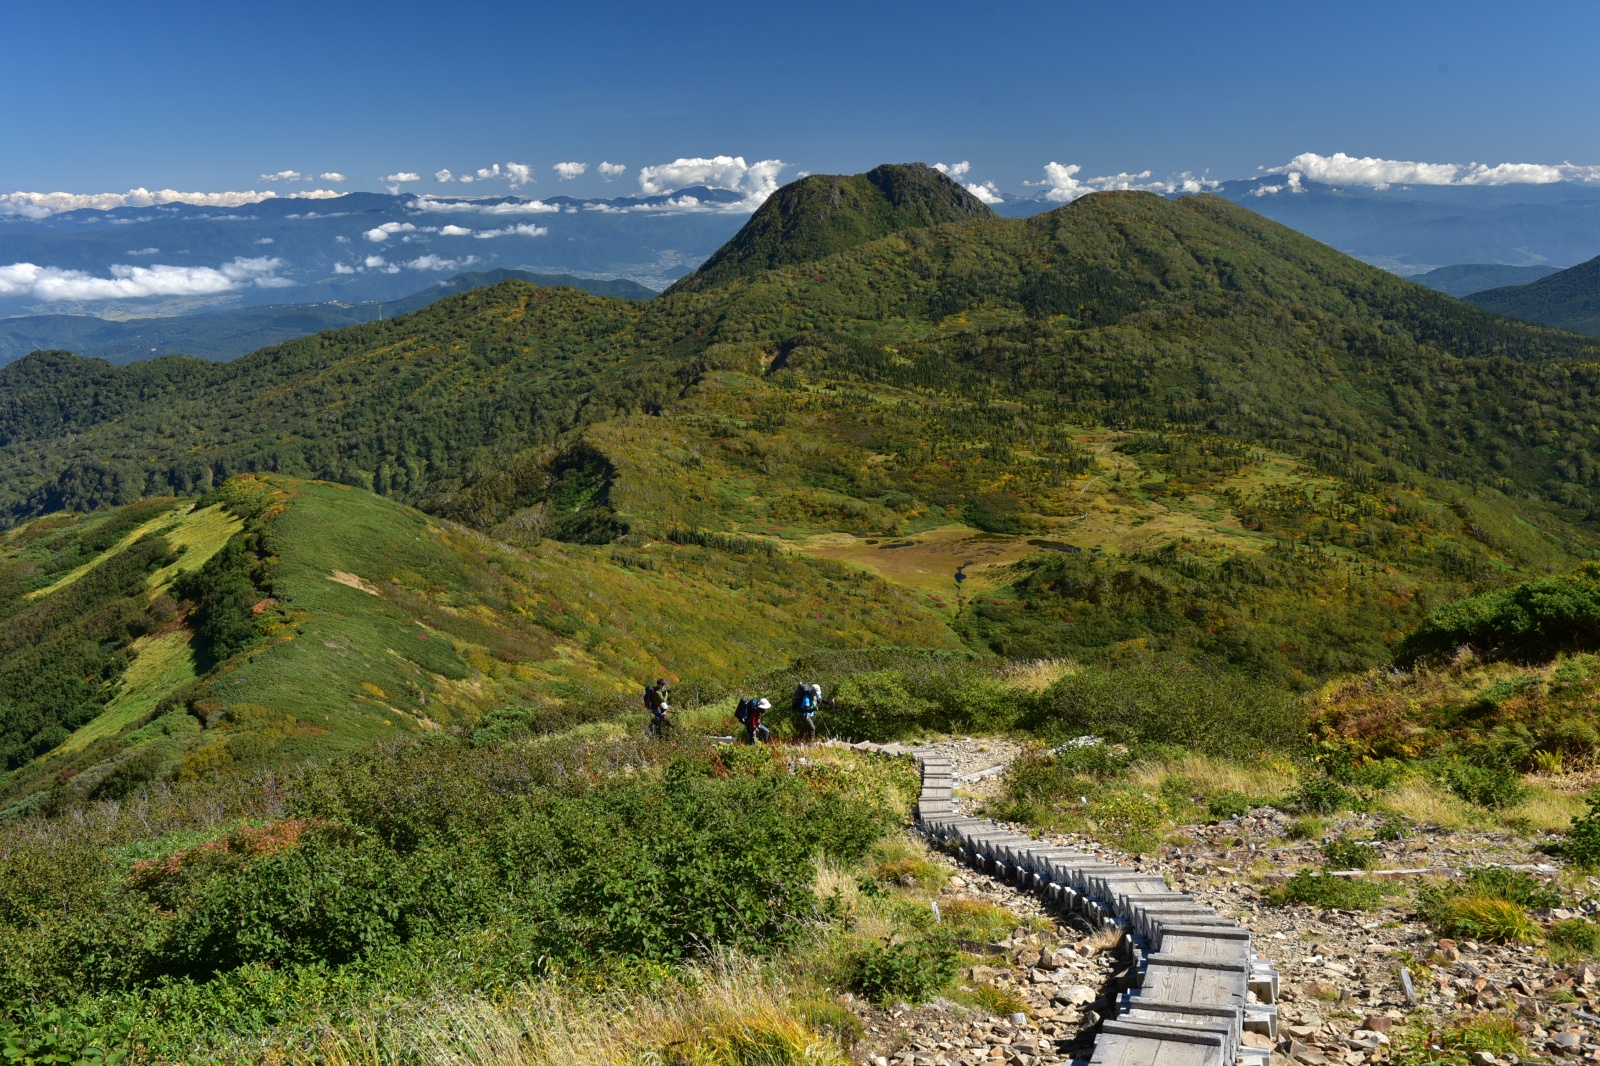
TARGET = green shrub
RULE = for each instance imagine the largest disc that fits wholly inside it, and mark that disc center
(1323, 795)
(1342, 853)
(1492, 787)
(1391, 829)
(1304, 828)
(1572, 939)
(908, 971)
(57, 1037)
(1201, 710)
(1517, 886)
(1315, 890)
(1581, 846)
(129, 776)
(1531, 620)
(1228, 805)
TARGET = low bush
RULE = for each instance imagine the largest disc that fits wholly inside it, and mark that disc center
(1305, 828)
(1342, 853)
(1481, 916)
(1319, 890)
(1581, 846)
(1323, 795)
(1489, 904)
(1228, 805)
(977, 920)
(1572, 940)
(907, 972)
(1491, 787)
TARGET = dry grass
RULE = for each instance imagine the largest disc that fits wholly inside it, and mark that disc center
(1209, 776)
(1036, 675)
(1545, 809)
(731, 1014)
(1426, 803)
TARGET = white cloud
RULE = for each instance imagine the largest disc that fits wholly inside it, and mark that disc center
(333, 176)
(402, 176)
(756, 181)
(373, 262)
(610, 170)
(953, 170)
(478, 207)
(519, 174)
(442, 175)
(283, 175)
(434, 262)
(45, 204)
(387, 230)
(454, 231)
(132, 282)
(524, 229)
(987, 192)
(1064, 185)
(343, 268)
(1342, 169)
(568, 171)
(260, 240)
(145, 251)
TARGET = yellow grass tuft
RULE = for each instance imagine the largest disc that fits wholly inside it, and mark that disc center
(1036, 675)
(1427, 803)
(731, 1014)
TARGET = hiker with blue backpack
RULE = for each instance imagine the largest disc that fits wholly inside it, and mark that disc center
(807, 698)
(655, 701)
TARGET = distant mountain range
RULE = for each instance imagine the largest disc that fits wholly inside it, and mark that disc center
(222, 335)
(1468, 278)
(1569, 299)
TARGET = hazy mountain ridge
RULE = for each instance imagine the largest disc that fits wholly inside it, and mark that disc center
(223, 335)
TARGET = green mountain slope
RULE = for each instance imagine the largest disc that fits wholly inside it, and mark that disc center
(1466, 278)
(1569, 299)
(277, 619)
(819, 215)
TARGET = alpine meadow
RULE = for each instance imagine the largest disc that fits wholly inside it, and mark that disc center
(1234, 556)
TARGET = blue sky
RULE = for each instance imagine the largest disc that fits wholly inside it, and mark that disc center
(211, 96)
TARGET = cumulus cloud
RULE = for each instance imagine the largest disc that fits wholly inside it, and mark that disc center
(145, 251)
(283, 175)
(1379, 173)
(45, 204)
(133, 282)
(434, 262)
(442, 175)
(756, 181)
(387, 230)
(1062, 184)
(454, 231)
(402, 176)
(480, 207)
(986, 191)
(343, 268)
(953, 170)
(519, 174)
(333, 176)
(610, 170)
(524, 229)
(568, 171)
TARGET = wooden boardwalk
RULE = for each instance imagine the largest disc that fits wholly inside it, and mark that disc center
(1196, 985)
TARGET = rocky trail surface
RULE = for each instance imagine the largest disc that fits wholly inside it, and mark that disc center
(1344, 995)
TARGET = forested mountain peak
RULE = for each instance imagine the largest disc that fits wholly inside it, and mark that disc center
(1569, 299)
(822, 214)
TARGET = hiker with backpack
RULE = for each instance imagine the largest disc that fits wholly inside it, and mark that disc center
(807, 698)
(655, 701)
(749, 715)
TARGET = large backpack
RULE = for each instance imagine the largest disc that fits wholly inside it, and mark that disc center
(652, 699)
(743, 712)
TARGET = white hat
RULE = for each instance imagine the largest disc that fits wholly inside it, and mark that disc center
(816, 690)
(764, 704)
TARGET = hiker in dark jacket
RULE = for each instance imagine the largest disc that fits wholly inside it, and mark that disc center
(749, 715)
(655, 701)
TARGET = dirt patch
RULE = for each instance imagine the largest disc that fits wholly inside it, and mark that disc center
(354, 582)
